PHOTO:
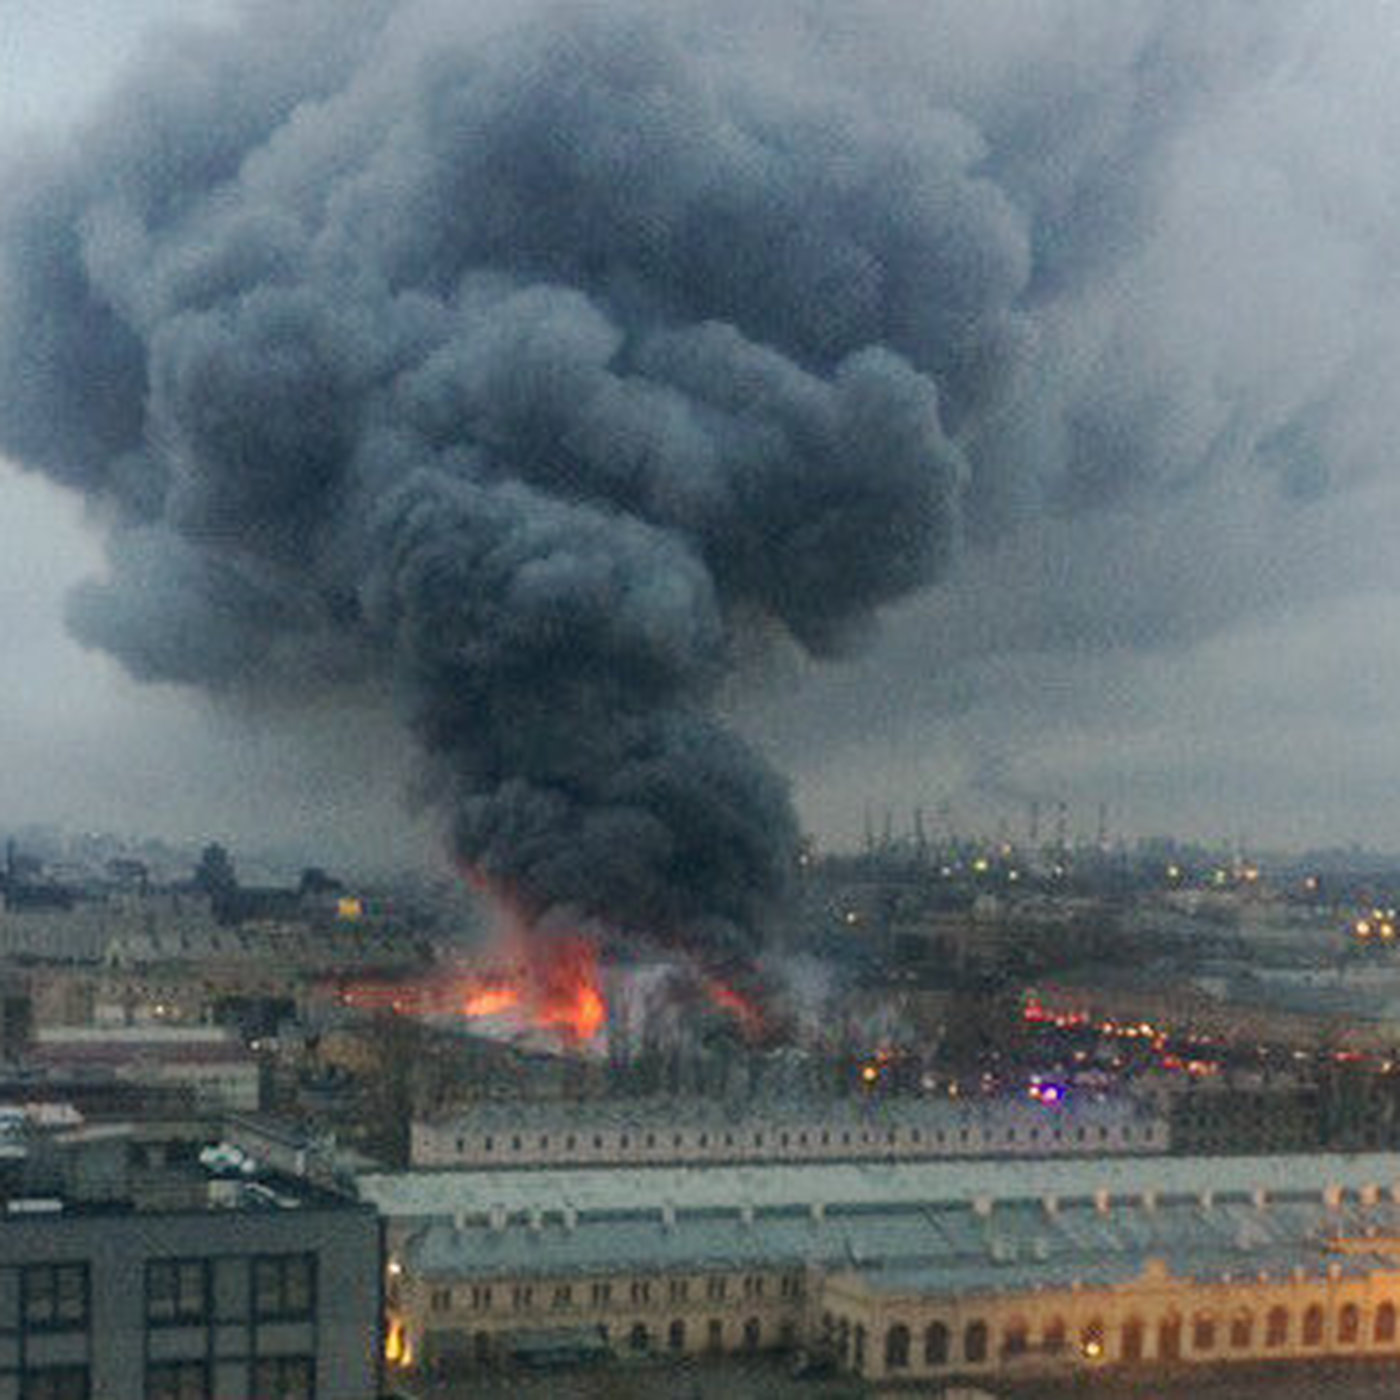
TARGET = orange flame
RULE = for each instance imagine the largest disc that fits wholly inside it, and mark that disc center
(745, 1011)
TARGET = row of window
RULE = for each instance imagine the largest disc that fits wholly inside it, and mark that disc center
(1207, 1333)
(273, 1378)
(601, 1293)
(57, 1297)
(640, 1338)
(180, 1292)
(826, 1138)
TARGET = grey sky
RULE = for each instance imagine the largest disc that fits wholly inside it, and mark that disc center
(1180, 590)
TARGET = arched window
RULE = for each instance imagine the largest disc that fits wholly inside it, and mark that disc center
(481, 1347)
(1242, 1331)
(1203, 1332)
(1349, 1323)
(714, 1337)
(1015, 1338)
(1091, 1344)
(1169, 1338)
(1312, 1325)
(975, 1341)
(1276, 1328)
(639, 1339)
(1054, 1338)
(1385, 1323)
(897, 1347)
(675, 1337)
(753, 1334)
(858, 1349)
(1131, 1345)
(936, 1344)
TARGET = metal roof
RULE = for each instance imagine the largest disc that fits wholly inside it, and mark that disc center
(422, 1194)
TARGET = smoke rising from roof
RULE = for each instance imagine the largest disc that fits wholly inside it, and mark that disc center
(545, 362)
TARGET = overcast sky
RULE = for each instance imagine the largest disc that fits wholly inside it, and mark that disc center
(1206, 638)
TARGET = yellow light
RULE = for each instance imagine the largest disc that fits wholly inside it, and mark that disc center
(980, 865)
(1173, 872)
(350, 907)
(397, 1351)
(1363, 928)
(870, 1073)
(1093, 1348)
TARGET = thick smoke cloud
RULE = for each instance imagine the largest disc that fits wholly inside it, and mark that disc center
(551, 362)
(535, 364)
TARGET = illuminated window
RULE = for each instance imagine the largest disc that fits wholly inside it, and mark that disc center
(1276, 1328)
(1203, 1332)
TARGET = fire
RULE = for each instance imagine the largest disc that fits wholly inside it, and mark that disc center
(490, 1001)
(745, 1011)
(553, 985)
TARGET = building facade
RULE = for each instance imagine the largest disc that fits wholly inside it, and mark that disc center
(603, 1133)
(926, 1273)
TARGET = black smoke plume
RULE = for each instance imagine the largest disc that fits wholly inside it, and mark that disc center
(537, 365)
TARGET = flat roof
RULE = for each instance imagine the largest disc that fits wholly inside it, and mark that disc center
(420, 1194)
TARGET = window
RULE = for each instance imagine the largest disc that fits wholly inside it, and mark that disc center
(1015, 1340)
(679, 1290)
(1241, 1331)
(753, 1286)
(284, 1378)
(55, 1383)
(897, 1347)
(975, 1341)
(1276, 1327)
(522, 1296)
(1055, 1332)
(440, 1300)
(284, 1286)
(1349, 1323)
(1169, 1338)
(54, 1296)
(641, 1291)
(1312, 1325)
(1131, 1346)
(675, 1335)
(178, 1380)
(1203, 1332)
(753, 1334)
(1385, 1323)
(936, 1344)
(790, 1286)
(602, 1294)
(715, 1288)
(639, 1339)
(714, 1335)
(481, 1297)
(515, 1143)
(563, 1296)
